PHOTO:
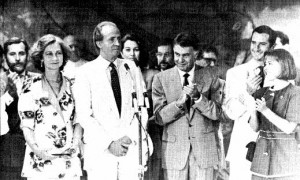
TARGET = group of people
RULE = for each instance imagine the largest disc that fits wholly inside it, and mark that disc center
(116, 117)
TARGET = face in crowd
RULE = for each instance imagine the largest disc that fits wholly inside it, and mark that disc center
(131, 50)
(53, 56)
(184, 57)
(110, 45)
(164, 57)
(207, 59)
(259, 45)
(16, 57)
(74, 47)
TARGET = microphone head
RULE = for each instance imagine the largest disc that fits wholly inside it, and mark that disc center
(126, 67)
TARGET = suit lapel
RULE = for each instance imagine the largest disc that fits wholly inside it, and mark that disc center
(176, 87)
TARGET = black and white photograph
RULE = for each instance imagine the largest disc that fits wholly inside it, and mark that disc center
(150, 90)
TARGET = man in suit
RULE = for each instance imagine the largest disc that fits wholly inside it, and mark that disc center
(12, 144)
(241, 82)
(181, 100)
(104, 108)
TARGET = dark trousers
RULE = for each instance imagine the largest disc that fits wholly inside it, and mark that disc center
(12, 151)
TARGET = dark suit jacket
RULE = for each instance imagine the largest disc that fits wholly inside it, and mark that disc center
(182, 129)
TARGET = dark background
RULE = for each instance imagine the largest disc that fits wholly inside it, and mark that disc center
(219, 22)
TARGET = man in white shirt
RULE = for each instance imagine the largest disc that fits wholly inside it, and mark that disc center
(241, 82)
(104, 108)
(75, 60)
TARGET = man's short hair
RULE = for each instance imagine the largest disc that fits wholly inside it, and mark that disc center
(97, 34)
(208, 48)
(286, 61)
(14, 40)
(186, 39)
(165, 42)
(267, 30)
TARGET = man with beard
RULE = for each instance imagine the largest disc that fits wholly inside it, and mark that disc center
(164, 54)
(12, 144)
(165, 61)
(75, 60)
(241, 82)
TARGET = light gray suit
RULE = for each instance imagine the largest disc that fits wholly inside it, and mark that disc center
(184, 130)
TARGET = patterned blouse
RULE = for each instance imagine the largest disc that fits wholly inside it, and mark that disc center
(51, 119)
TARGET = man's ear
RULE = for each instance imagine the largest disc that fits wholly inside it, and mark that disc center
(99, 44)
(196, 52)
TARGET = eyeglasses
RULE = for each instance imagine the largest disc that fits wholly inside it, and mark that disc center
(163, 54)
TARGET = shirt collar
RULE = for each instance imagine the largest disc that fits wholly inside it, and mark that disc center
(191, 72)
(106, 63)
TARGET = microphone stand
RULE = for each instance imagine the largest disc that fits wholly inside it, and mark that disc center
(139, 100)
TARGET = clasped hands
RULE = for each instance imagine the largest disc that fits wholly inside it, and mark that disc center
(120, 146)
(47, 154)
(188, 91)
(253, 84)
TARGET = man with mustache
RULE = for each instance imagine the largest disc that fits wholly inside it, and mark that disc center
(165, 61)
(241, 82)
(12, 144)
(164, 54)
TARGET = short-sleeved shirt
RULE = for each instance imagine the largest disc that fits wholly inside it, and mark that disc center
(51, 119)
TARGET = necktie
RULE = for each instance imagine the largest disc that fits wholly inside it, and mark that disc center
(115, 84)
(185, 83)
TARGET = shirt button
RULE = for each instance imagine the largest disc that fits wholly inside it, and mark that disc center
(55, 113)
(190, 125)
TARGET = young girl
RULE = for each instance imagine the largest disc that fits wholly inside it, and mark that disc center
(276, 154)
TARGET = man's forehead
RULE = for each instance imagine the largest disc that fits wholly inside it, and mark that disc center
(209, 55)
(164, 48)
(183, 48)
(260, 37)
(110, 30)
(70, 40)
(16, 46)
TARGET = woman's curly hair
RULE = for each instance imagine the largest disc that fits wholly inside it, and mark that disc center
(39, 47)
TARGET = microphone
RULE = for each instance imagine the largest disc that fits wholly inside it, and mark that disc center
(133, 91)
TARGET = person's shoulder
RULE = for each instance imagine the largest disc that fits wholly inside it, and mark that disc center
(207, 72)
(295, 89)
(150, 72)
(34, 74)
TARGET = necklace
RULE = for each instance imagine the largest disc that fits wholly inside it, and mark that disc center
(55, 86)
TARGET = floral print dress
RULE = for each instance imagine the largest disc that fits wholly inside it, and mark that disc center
(51, 119)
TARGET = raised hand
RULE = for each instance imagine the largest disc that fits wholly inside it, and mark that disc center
(260, 105)
(253, 84)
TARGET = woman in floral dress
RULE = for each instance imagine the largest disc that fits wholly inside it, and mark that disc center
(277, 155)
(47, 117)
